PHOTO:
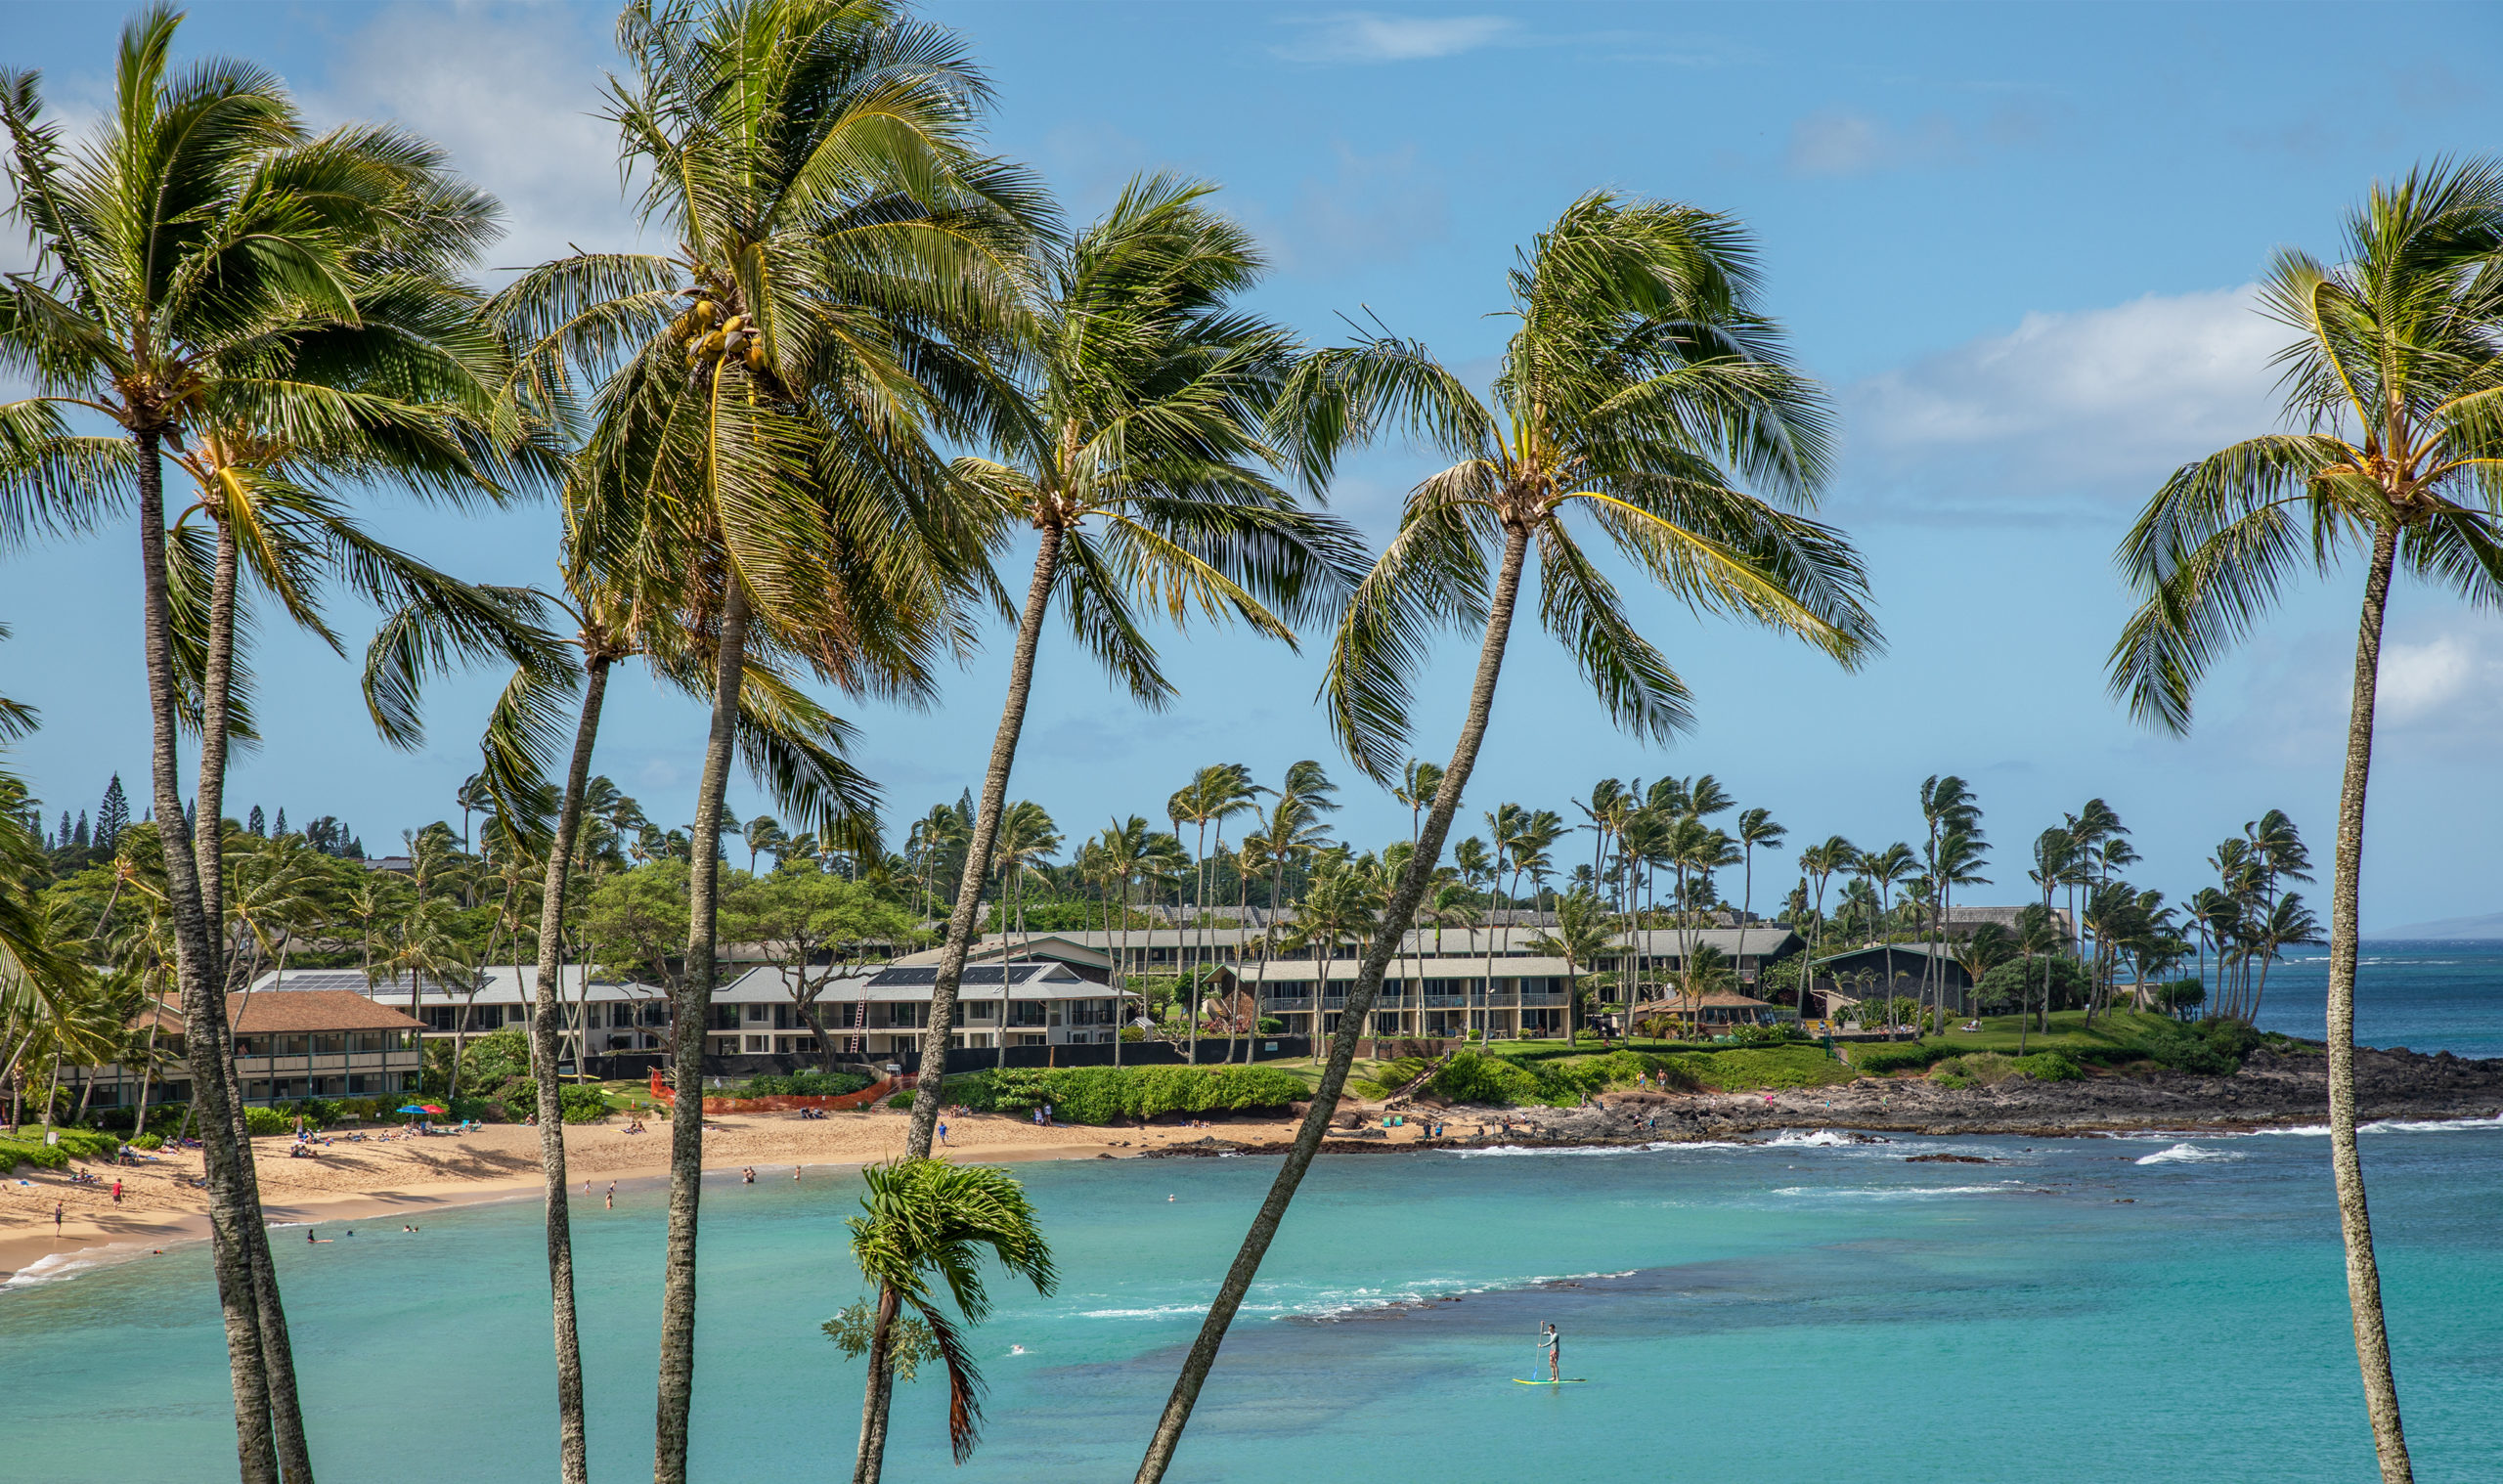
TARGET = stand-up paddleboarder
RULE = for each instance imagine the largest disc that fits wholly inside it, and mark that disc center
(1553, 1342)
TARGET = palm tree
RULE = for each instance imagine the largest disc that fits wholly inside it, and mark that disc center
(792, 745)
(846, 266)
(1291, 832)
(1947, 807)
(201, 268)
(1028, 841)
(1756, 827)
(1213, 795)
(2037, 935)
(1820, 861)
(763, 833)
(1149, 387)
(931, 1220)
(1582, 935)
(1641, 367)
(1956, 863)
(1341, 905)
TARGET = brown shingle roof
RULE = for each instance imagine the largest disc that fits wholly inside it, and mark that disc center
(313, 1010)
(1718, 999)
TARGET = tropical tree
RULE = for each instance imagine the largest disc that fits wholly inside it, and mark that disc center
(1756, 827)
(930, 1223)
(1583, 936)
(1640, 385)
(2394, 377)
(199, 266)
(1145, 420)
(760, 463)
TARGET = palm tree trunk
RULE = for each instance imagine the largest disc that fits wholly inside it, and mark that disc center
(1343, 1047)
(547, 1018)
(294, 1457)
(695, 1010)
(994, 798)
(234, 1211)
(2355, 1222)
(879, 1394)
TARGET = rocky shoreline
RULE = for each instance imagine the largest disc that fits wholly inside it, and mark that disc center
(2272, 1090)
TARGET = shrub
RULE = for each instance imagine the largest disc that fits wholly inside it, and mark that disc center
(261, 1122)
(582, 1105)
(1774, 1034)
(2213, 1047)
(1986, 1068)
(34, 1152)
(1888, 1057)
(799, 1084)
(148, 1142)
(1270, 1025)
(2049, 1067)
(1472, 1076)
(1105, 1094)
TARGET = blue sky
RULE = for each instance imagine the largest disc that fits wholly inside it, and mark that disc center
(2014, 242)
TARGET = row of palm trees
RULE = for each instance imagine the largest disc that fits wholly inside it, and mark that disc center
(747, 435)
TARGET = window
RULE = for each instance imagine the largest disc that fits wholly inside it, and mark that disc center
(248, 1046)
(295, 1045)
(330, 1043)
(757, 1015)
(758, 1044)
(371, 1040)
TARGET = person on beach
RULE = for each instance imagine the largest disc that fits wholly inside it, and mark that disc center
(1553, 1342)
(117, 1193)
(942, 1133)
(612, 1195)
(56, 1221)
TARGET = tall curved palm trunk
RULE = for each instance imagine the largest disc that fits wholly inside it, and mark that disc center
(546, 1016)
(277, 1354)
(234, 1214)
(690, 1027)
(2347, 1171)
(962, 918)
(1360, 997)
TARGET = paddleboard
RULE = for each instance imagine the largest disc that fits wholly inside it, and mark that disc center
(1570, 1380)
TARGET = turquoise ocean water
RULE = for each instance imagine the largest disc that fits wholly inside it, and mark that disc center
(2155, 1309)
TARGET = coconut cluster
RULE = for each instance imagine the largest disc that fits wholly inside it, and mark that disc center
(708, 343)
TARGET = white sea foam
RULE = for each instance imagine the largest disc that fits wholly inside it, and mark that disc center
(2393, 1126)
(1895, 1192)
(2185, 1153)
(1822, 1138)
(1161, 1311)
(49, 1269)
(1515, 1150)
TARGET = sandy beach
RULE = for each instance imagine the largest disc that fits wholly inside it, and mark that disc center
(404, 1177)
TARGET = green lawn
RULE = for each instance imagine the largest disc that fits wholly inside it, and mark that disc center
(2112, 1036)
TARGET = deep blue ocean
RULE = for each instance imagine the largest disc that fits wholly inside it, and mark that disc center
(2166, 1308)
(2426, 997)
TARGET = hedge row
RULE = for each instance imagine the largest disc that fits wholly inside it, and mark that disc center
(1108, 1094)
(27, 1147)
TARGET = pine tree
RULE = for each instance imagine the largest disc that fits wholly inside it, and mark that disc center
(80, 838)
(64, 841)
(280, 828)
(112, 816)
(256, 823)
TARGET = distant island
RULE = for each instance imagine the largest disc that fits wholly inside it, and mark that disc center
(2489, 926)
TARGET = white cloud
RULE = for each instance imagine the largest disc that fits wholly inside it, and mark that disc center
(511, 94)
(2429, 685)
(1368, 36)
(2102, 403)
